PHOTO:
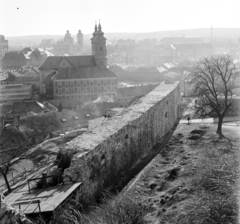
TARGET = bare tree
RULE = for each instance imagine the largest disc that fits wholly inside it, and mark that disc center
(12, 149)
(214, 80)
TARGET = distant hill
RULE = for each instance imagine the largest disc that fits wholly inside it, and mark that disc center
(204, 33)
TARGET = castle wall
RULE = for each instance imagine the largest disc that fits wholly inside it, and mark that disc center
(102, 154)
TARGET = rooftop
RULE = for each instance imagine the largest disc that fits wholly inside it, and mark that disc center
(55, 62)
(85, 73)
(14, 55)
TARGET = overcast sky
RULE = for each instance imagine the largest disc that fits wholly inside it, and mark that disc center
(33, 17)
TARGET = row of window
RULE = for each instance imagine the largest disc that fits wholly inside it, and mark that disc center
(16, 96)
(85, 82)
(20, 91)
(11, 66)
(13, 86)
(85, 89)
(78, 96)
(19, 62)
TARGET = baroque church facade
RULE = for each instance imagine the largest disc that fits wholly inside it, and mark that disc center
(83, 77)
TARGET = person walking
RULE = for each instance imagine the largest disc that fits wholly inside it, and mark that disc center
(188, 119)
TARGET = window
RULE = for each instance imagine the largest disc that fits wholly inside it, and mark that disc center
(102, 82)
(109, 81)
(88, 89)
(95, 82)
(56, 84)
(84, 82)
(75, 82)
(63, 83)
(101, 48)
(95, 89)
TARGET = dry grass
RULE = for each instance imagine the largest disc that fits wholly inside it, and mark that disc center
(215, 186)
(113, 209)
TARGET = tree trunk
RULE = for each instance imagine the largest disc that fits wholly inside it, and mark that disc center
(219, 128)
(6, 180)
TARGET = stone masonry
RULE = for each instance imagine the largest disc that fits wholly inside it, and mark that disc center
(100, 155)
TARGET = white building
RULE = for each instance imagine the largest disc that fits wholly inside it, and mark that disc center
(14, 92)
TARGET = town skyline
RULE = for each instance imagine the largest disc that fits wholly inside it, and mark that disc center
(115, 16)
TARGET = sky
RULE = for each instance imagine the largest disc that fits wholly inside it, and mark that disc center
(42, 17)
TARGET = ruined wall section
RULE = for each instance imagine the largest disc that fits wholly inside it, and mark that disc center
(102, 154)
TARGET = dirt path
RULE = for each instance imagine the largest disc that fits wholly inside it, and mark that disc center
(166, 185)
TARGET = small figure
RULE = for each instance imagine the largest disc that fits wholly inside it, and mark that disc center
(189, 119)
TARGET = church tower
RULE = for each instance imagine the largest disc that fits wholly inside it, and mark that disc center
(99, 49)
(80, 39)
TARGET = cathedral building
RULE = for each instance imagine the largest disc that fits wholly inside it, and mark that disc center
(83, 77)
(67, 45)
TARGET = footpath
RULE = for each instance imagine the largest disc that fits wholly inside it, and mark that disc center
(211, 120)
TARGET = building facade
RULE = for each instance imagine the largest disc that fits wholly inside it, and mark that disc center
(13, 60)
(85, 88)
(14, 92)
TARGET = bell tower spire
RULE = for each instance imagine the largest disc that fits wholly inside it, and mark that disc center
(99, 49)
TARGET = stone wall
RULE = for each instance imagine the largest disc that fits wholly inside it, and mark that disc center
(107, 150)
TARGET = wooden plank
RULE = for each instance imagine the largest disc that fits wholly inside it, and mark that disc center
(50, 198)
